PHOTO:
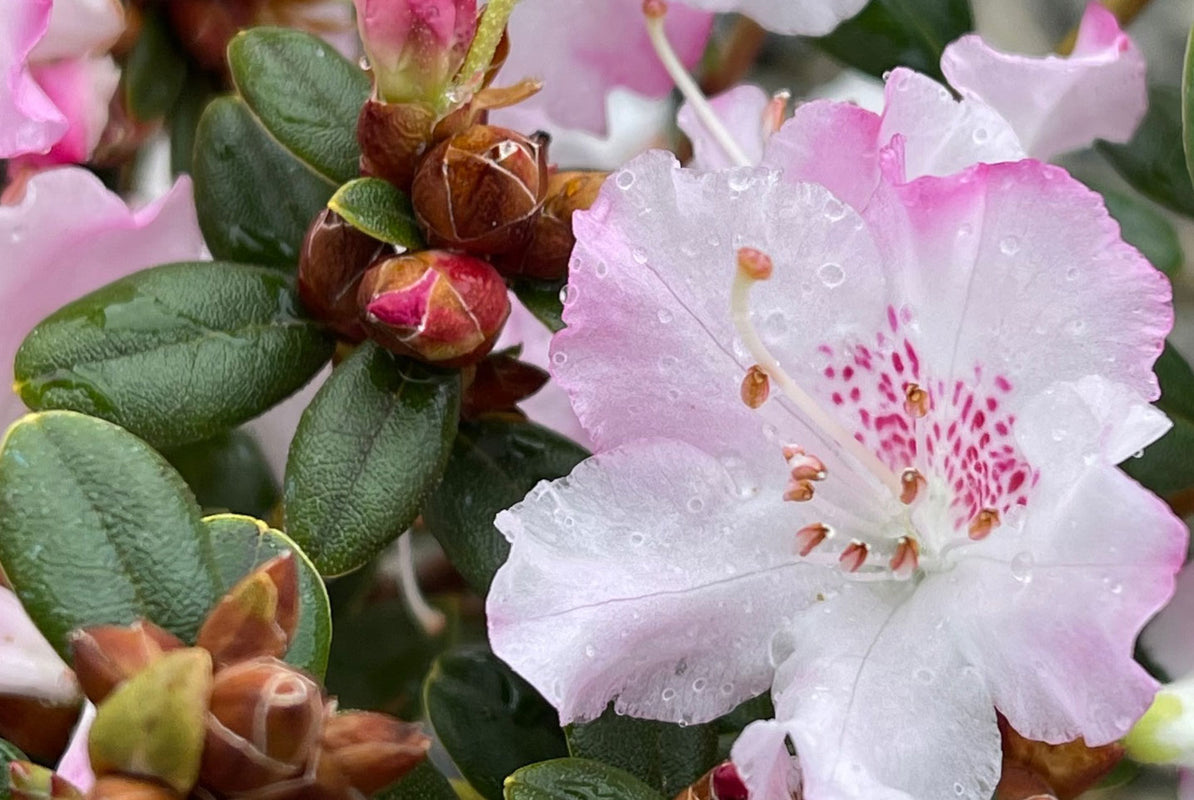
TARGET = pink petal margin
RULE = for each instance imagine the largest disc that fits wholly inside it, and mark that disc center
(29, 121)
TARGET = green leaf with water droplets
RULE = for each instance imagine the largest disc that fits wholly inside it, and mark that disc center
(175, 354)
(1167, 465)
(576, 779)
(380, 209)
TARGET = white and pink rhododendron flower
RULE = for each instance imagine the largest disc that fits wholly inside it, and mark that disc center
(1057, 104)
(60, 79)
(804, 17)
(69, 235)
(925, 523)
(29, 667)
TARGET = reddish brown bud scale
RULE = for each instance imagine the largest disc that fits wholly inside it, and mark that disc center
(107, 655)
(546, 255)
(393, 136)
(499, 382)
(481, 189)
(373, 750)
(439, 307)
(39, 731)
(122, 787)
(335, 256)
(257, 617)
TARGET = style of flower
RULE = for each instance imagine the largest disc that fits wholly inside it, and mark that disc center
(883, 485)
(53, 54)
(69, 235)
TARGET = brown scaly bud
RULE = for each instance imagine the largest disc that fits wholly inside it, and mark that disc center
(263, 727)
(498, 384)
(546, 256)
(107, 655)
(38, 730)
(481, 189)
(439, 307)
(373, 750)
(1067, 770)
(28, 781)
(257, 617)
(122, 787)
(334, 257)
(152, 725)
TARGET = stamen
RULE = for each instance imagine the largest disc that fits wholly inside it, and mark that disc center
(854, 556)
(755, 263)
(655, 12)
(799, 491)
(430, 619)
(982, 525)
(805, 467)
(744, 278)
(906, 559)
(916, 401)
(913, 484)
(756, 386)
(773, 114)
(810, 537)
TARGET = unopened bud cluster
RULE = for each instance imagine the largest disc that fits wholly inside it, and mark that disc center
(226, 718)
(485, 199)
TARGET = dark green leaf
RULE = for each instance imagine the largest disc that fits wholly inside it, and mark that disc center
(730, 725)
(576, 779)
(379, 209)
(543, 299)
(1153, 162)
(421, 783)
(490, 720)
(899, 33)
(241, 544)
(1146, 230)
(177, 353)
(305, 94)
(96, 528)
(254, 198)
(184, 120)
(368, 450)
(494, 464)
(1167, 465)
(155, 72)
(228, 473)
(1188, 105)
(665, 756)
(8, 754)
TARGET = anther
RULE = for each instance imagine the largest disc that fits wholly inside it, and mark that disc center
(854, 556)
(986, 521)
(810, 537)
(799, 491)
(654, 9)
(773, 114)
(807, 468)
(916, 401)
(754, 264)
(906, 559)
(912, 483)
(756, 386)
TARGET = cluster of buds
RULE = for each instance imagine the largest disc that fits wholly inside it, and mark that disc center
(486, 200)
(225, 718)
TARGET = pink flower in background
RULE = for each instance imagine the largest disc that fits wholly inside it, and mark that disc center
(970, 357)
(68, 236)
(804, 17)
(59, 78)
(1058, 104)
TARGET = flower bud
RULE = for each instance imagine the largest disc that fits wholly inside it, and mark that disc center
(107, 655)
(257, 617)
(39, 730)
(334, 257)
(28, 781)
(1165, 734)
(499, 383)
(152, 724)
(263, 726)
(122, 787)
(415, 47)
(373, 750)
(546, 255)
(439, 307)
(481, 189)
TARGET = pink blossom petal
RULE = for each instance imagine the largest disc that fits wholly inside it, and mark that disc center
(81, 89)
(1058, 104)
(766, 767)
(879, 702)
(1028, 276)
(549, 406)
(741, 112)
(1185, 784)
(29, 667)
(75, 764)
(29, 122)
(68, 236)
(645, 576)
(839, 145)
(582, 49)
(805, 17)
(80, 28)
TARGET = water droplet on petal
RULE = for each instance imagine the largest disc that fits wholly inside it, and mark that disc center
(980, 135)
(639, 255)
(590, 651)
(601, 270)
(625, 179)
(831, 274)
(1021, 565)
(665, 316)
(1009, 245)
(668, 694)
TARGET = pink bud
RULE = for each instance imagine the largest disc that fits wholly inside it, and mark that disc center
(415, 46)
